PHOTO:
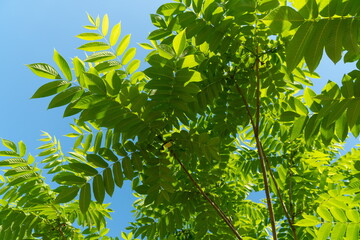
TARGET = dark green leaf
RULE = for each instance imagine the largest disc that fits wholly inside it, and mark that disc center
(98, 189)
(85, 198)
(108, 181)
(128, 168)
(83, 168)
(69, 95)
(96, 160)
(118, 174)
(67, 194)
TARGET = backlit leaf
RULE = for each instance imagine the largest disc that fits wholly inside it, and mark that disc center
(100, 57)
(44, 70)
(115, 34)
(179, 43)
(123, 45)
(90, 36)
(128, 56)
(94, 46)
(105, 25)
(51, 88)
(63, 65)
(118, 174)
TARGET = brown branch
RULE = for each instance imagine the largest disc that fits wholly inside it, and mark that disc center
(212, 203)
(278, 192)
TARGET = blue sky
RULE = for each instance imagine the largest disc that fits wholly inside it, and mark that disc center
(30, 30)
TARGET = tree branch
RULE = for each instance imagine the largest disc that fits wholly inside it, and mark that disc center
(212, 203)
(261, 154)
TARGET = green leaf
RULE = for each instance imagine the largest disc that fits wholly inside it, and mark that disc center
(169, 9)
(22, 148)
(90, 36)
(159, 34)
(146, 46)
(133, 66)
(65, 97)
(128, 56)
(8, 154)
(338, 214)
(67, 194)
(83, 168)
(307, 223)
(315, 46)
(296, 48)
(324, 213)
(283, 19)
(128, 168)
(123, 45)
(97, 142)
(324, 231)
(179, 43)
(338, 231)
(95, 84)
(333, 45)
(9, 144)
(51, 88)
(67, 178)
(94, 46)
(96, 160)
(352, 231)
(108, 66)
(78, 67)
(85, 198)
(118, 174)
(108, 181)
(100, 57)
(91, 19)
(44, 70)
(98, 189)
(187, 76)
(115, 34)
(353, 215)
(63, 65)
(105, 25)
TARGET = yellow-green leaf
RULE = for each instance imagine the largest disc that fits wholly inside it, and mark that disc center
(115, 34)
(63, 65)
(179, 43)
(123, 45)
(90, 36)
(105, 25)
(128, 56)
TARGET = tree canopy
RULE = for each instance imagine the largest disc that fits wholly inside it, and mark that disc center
(223, 108)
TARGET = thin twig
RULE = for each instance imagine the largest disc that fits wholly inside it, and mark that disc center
(212, 203)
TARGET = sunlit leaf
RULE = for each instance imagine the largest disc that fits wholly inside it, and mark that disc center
(90, 36)
(115, 34)
(44, 70)
(105, 25)
(63, 65)
(51, 88)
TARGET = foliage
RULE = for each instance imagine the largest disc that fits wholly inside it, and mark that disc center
(224, 108)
